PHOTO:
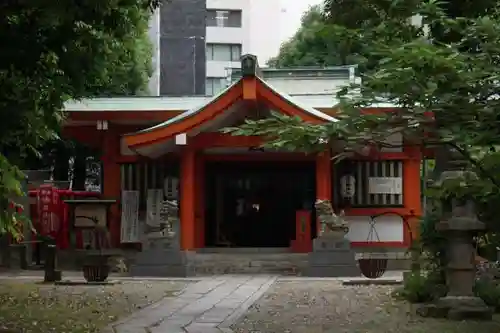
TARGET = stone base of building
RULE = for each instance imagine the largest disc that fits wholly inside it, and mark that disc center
(457, 308)
(332, 257)
(157, 262)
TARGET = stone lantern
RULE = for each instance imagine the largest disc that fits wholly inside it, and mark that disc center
(459, 224)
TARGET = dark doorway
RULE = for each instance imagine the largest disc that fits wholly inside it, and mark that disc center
(253, 204)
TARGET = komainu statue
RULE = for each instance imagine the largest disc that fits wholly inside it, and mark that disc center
(168, 217)
(331, 223)
(331, 254)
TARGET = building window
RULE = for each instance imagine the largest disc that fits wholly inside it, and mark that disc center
(224, 18)
(214, 85)
(365, 172)
(224, 52)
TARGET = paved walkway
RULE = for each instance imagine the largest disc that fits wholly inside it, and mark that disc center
(210, 305)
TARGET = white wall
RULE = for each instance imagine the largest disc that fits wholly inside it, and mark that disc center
(390, 228)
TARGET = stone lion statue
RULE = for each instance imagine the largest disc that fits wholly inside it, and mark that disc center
(330, 222)
(168, 217)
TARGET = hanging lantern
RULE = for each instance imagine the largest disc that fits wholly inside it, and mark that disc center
(348, 186)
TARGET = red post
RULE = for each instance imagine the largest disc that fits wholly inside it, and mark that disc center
(188, 200)
(303, 241)
(323, 179)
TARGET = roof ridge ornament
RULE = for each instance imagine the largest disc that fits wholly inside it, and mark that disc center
(250, 66)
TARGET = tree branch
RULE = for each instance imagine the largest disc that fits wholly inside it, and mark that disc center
(465, 153)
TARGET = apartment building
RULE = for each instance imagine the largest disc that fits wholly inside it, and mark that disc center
(197, 43)
(227, 38)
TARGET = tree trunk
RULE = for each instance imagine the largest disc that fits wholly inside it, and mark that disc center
(61, 162)
(79, 171)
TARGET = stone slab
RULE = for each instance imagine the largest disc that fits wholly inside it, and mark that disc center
(243, 308)
(163, 262)
(372, 282)
(163, 257)
(333, 271)
(455, 312)
(325, 243)
(162, 270)
(324, 258)
(208, 306)
(202, 328)
(216, 314)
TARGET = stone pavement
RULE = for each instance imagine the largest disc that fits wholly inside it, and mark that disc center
(210, 305)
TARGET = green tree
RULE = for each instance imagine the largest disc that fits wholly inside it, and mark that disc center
(449, 70)
(52, 52)
(323, 40)
(127, 73)
(311, 45)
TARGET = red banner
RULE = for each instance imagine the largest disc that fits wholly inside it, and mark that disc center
(48, 206)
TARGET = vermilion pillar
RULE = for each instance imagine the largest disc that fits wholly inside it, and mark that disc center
(323, 178)
(188, 200)
(411, 190)
(200, 201)
(112, 181)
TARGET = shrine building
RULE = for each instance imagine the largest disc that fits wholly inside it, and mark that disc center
(230, 191)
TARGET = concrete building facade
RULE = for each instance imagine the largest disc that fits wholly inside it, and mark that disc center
(181, 45)
(198, 43)
(228, 37)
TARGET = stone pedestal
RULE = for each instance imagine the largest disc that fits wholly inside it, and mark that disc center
(457, 308)
(332, 256)
(460, 302)
(161, 257)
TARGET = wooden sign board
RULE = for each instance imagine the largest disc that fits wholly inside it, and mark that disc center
(89, 216)
(385, 185)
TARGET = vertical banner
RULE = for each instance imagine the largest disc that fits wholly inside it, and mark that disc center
(47, 202)
(130, 217)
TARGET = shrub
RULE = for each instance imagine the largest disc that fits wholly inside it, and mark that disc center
(421, 286)
(489, 292)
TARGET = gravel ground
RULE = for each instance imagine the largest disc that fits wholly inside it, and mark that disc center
(28, 306)
(327, 306)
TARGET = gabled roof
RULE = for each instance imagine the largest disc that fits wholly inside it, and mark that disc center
(249, 87)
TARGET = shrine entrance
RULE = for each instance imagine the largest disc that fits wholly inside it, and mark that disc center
(253, 204)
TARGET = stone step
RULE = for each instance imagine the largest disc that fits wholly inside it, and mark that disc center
(223, 261)
(249, 263)
(244, 250)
